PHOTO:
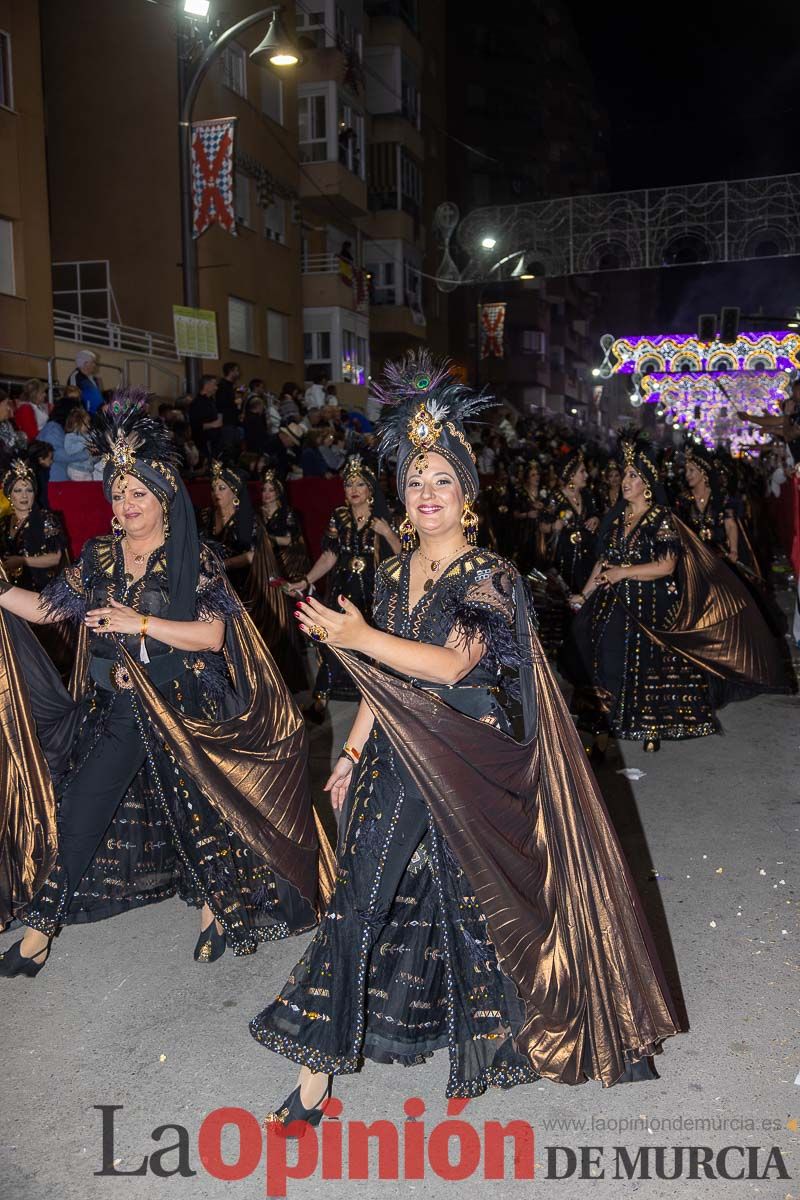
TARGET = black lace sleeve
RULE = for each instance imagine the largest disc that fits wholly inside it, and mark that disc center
(666, 539)
(216, 599)
(487, 611)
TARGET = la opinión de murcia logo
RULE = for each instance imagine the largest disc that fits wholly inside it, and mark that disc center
(453, 1149)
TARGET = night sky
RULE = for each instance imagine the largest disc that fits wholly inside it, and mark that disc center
(697, 92)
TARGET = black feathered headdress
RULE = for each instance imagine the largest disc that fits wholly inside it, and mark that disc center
(424, 412)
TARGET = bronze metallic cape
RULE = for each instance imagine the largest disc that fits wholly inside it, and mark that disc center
(253, 766)
(28, 836)
(718, 625)
(271, 612)
(529, 829)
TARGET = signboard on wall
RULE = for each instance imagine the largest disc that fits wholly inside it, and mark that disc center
(195, 332)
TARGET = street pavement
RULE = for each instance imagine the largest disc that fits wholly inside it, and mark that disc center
(121, 1015)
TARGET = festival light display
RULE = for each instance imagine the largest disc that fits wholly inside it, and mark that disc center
(701, 387)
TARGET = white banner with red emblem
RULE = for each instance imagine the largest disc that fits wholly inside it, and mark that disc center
(493, 320)
(213, 175)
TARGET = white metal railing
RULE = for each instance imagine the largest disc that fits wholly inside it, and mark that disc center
(323, 264)
(92, 332)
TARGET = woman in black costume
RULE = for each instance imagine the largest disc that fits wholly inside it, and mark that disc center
(658, 613)
(283, 526)
(528, 507)
(159, 768)
(32, 542)
(440, 805)
(356, 539)
(711, 514)
(230, 522)
(572, 517)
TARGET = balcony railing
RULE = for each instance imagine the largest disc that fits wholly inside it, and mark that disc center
(92, 332)
(327, 264)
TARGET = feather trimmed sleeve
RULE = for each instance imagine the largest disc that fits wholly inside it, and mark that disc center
(487, 611)
(66, 596)
(216, 599)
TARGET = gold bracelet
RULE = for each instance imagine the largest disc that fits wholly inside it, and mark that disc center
(351, 753)
(144, 624)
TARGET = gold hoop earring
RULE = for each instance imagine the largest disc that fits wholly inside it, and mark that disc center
(408, 535)
(648, 494)
(469, 523)
(116, 528)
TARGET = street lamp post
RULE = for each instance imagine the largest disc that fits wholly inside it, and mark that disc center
(281, 53)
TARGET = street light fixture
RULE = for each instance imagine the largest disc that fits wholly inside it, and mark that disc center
(489, 242)
(281, 52)
(277, 46)
(196, 8)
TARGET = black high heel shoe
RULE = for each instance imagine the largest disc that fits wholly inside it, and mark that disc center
(210, 945)
(293, 1109)
(13, 962)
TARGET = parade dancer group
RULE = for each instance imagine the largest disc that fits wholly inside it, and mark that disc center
(478, 901)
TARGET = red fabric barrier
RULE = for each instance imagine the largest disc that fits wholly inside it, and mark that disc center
(785, 513)
(86, 513)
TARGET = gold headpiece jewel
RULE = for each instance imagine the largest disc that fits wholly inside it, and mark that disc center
(122, 454)
(216, 470)
(423, 433)
(354, 468)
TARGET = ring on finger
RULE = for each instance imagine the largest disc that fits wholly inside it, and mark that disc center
(318, 633)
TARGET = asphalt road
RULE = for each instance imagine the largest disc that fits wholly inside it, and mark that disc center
(122, 1016)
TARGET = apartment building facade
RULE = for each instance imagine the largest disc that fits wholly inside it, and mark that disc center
(26, 319)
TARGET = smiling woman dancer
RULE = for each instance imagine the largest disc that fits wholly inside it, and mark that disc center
(160, 769)
(481, 903)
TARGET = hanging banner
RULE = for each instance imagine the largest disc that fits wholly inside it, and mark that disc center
(493, 320)
(213, 175)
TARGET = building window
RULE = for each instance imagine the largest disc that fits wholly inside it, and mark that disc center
(241, 199)
(382, 290)
(6, 257)
(533, 342)
(413, 287)
(241, 325)
(6, 89)
(410, 96)
(272, 97)
(311, 29)
(362, 350)
(234, 69)
(410, 183)
(349, 356)
(278, 336)
(312, 115)
(275, 221)
(348, 36)
(317, 353)
(351, 137)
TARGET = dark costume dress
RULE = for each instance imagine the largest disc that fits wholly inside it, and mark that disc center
(645, 691)
(235, 537)
(40, 533)
(574, 547)
(135, 826)
(408, 958)
(528, 549)
(358, 552)
(292, 559)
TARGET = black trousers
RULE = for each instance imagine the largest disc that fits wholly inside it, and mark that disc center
(95, 790)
